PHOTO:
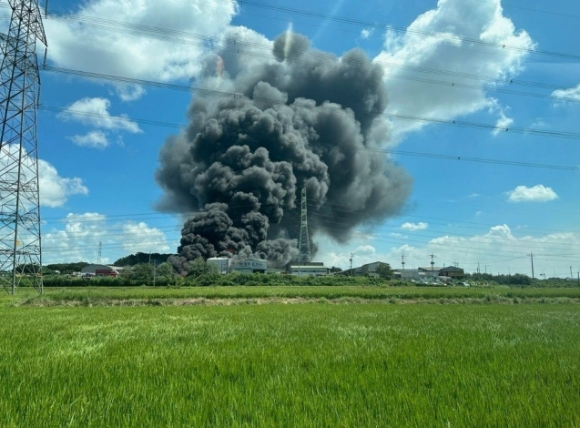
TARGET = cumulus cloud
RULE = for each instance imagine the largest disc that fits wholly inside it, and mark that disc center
(54, 189)
(120, 38)
(568, 94)
(365, 250)
(502, 124)
(499, 250)
(413, 227)
(94, 139)
(440, 39)
(366, 33)
(142, 238)
(95, 112)
(79, 238)
(537, 193)
(128, 92)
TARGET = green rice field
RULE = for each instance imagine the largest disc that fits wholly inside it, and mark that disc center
(169, 295)
(346, 364)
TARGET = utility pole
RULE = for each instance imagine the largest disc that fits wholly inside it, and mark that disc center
(304, 255)
(20, 241)
(351, 257)
(100, 253)
(571, 274)
(154, 271)
(477, 267)
(403, 261)
(531, 256)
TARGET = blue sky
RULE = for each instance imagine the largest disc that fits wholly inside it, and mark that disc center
(447, 61)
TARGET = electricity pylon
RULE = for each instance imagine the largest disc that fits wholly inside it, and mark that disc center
(20, 242)
(304, 241)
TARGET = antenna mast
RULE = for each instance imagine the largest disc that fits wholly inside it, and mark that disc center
(20, 243)
(304, 242)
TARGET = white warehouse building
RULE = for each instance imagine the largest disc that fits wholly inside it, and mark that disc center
(251, 265)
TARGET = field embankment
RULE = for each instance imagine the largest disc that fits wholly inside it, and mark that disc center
(236, 295)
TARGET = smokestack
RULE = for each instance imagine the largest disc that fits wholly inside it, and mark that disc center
(307, 119)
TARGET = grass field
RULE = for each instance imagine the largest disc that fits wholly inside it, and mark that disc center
(163, 295)
(276, 365)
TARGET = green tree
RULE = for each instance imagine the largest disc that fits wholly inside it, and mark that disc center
(384, 271)
(165, 270)
(67, 268)
(200, 267)
(140, 258)
(142, 272)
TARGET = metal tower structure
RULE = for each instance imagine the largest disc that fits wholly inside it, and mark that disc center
(20, 242)
(432, 257)
(99, 258)
(304, 241)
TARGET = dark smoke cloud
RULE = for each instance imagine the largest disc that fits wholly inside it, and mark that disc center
(308, 120)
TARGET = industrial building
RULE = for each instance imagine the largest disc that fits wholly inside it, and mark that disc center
(370, 269)
(429, 273)
(223, 264)
(251, 265)
(308, 269)
(452, 272)
(100, 270)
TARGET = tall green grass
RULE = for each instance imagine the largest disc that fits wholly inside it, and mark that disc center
(104, 295)
(291, 366)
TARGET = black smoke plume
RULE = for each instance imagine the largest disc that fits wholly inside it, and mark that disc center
(303, 119)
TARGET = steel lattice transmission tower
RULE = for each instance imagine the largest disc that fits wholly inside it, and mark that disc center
(304, 242)
(20, 242)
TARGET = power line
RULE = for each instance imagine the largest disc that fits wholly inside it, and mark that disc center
(381, 26)
(60, 15)
(477, 125)
(237, 46)
(564, 15)
(386, 151)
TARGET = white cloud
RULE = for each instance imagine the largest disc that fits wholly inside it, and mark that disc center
(119, 38)
(497, 251)
(94, 139)
(95, 112)
(366, 33)
(570, 94)
(54, 189)
(365, 250)
(502, 124)
(397, 235)
(537, 193)
(439, 40)
(78, 239)
(413, 227)
(130, 92)
(141, 238)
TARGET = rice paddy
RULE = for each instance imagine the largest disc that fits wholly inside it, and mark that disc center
(368, 364)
